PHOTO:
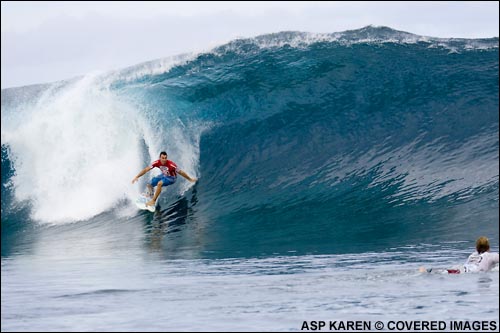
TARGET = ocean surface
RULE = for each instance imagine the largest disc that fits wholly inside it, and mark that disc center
(331, 167)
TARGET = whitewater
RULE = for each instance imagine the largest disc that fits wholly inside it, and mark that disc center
(330, 168)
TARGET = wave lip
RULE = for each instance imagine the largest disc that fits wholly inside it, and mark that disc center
(367, 35)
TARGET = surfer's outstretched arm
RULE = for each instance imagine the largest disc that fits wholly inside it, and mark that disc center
(185, 175)
(142, 173)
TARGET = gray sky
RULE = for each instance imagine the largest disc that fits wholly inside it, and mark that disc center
(50, 41)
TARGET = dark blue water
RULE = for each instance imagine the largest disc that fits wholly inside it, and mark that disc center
(368, 143)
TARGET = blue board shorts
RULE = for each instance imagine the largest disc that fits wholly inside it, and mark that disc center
(167, 180)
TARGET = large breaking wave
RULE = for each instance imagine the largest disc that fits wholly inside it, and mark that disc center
(338, 141)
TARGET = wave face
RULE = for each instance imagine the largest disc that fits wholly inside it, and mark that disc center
(351, 141)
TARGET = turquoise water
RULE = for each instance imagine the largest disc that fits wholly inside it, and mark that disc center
(330, 166)
(118, 276)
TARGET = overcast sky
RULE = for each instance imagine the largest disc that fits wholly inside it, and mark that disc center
(50, 41)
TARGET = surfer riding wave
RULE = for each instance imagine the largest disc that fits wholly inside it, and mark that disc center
(168, 176)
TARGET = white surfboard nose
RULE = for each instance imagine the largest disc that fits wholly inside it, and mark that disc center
(141, 204)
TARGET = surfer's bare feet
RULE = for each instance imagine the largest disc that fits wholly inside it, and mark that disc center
(150, 203)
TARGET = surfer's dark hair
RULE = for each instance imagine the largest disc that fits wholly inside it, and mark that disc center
(163, 153)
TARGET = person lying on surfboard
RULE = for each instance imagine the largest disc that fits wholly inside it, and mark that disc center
(482, 260)
(167, 177)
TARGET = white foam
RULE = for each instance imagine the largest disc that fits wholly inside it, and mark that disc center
(75, 151)
(77, 148)
(366, 35)
(154, 67)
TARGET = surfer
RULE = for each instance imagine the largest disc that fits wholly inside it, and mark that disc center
(167, 177)
(482, 260)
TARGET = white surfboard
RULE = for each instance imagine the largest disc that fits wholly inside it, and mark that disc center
(141, 204)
